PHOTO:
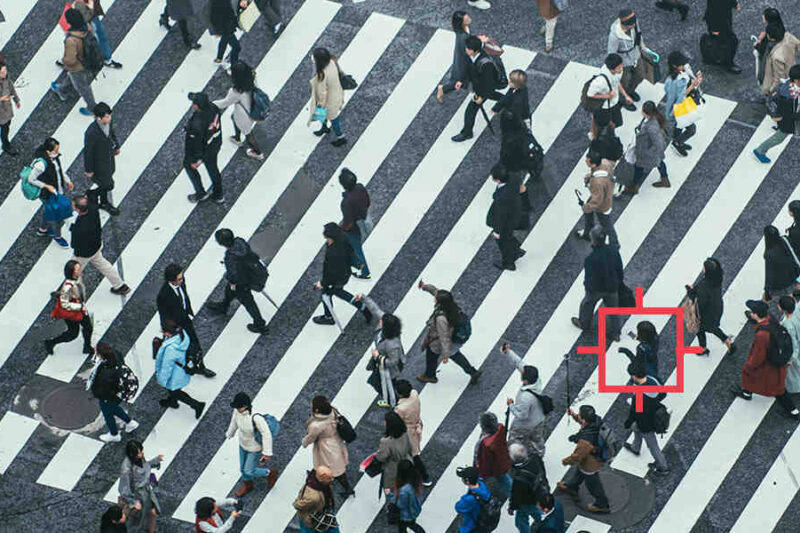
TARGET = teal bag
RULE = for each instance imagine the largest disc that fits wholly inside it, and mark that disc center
(320, 113)
(30, 191)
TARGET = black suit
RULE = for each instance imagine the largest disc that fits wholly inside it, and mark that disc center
(503, 217)
(179, 310)
(98, 158)
(483, 76)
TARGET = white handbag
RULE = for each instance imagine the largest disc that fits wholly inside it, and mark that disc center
(249, 16)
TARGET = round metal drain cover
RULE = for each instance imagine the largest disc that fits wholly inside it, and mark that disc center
(69, 407)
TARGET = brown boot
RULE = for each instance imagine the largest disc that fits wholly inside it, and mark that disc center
(272, 477)
(246, 487)
(663, 183)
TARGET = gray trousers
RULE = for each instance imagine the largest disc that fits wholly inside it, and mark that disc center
(590, 299)
(271, 9)
(82, 81)
(652, 445)
(772, 141)
(530, 437)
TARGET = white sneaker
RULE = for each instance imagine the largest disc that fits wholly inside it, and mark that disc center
(108, 437)
(131, 426)
(479, 4)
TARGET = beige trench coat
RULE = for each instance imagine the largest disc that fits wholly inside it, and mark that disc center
(409, 410)
(779, 61)
(329, 448)
(327, 92)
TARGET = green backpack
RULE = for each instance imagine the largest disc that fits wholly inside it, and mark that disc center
(30, 191)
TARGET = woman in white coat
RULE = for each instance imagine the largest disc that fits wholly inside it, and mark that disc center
(240, 96)
(327, 95)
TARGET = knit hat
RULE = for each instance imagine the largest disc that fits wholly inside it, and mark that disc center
(241, 400)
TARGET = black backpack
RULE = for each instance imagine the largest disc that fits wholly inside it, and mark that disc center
(93, 59)
(661, 418)
(779, 349)
(534, 155)
(488, 513)
(608, 144)
(590, 103)
(257, 273)
(463, 330)
(545, 401)
(501, 80)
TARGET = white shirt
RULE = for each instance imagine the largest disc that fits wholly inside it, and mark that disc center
(600, 86)
(242, 423)
(180, 294)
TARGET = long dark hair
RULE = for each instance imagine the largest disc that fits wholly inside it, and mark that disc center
(458, 21)
(447, 305)
(714, 272)
(407, 474)
(106, 352)
(391, 326)
(395, 427)
(651, 110)
(322, 59)
(48, 145)
(69, 269)
(132, 449)
(243, 77)
(794, 209)
(171, 327)
(772, 239)
(773, 17)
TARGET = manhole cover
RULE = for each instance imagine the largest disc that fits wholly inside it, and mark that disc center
(69, 407)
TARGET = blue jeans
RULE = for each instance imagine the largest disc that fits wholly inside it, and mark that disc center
(229, 38)
(523, 515)
(305, 529)
(110, 409)
(248, 465)
(102, 39)
(359, 261)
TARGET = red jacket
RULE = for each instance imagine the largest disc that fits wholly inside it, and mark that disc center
(492, 459)
(758, 375)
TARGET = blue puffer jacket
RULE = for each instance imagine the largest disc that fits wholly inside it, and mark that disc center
(169, 363)
(469, 508)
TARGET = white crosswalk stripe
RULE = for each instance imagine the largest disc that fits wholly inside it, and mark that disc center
(454, 259)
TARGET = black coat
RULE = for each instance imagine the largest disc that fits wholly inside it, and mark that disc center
(788, 109)
(87, 234)
(461, 61)
(170, 306)
(794, 238)
(336, 265)
(236, 258)
(514, 150)
(719, 15)
(516, 101)
(645, 420)
(222, 17)
(483, 75)
(528, 480)
(98, 154)
(603, 269)
(780, 269)
(203, 134)
(52, 175)
(709, 303)
(506, 208)
(105, 385)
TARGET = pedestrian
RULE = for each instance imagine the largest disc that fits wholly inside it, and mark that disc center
(583, 462)
(100, 147)
(138, 495)
(203, 141)
(759, 376)
(387, 361)
(513, 143)
(327, 95)
(680, 83)
(335, 274)
(549, 10)
(170, 369)
(793, 235)
(208, 515)
(239, 258)
(771, 18)
(240, 95)
(674, 5)
(504, 215)
(459, 71)
(651, 142)
(643, 423)
(647, 350)
(528, 483)
(92, 11)
(223, 24)
(255, 443)
(780, 268)
(105, 386)
(355, 210)
(600, 183)
(77, 74)
(625, 39)
(329, 448)
(708, 295)
(48, 174)
(407, 489)
(113, 520)
(516, 98)
(469, 505)
(315, 505)
(271, 9)
(605, 85)
(719, 22)
(438, 340)
(779, 59)
(173, 303)
(72, 301)
(394, 446)
(87, 243)
(786, 112)
(551, 515)
(182, 11)
(491, 456)
(791, 321)
(483, 76)
(409, 409)
(602, 279)
(527, 427)
(8, 99)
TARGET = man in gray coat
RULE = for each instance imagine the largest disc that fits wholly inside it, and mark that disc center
(527, 428)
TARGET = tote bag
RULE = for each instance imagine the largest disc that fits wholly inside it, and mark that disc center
(687, 112)
(248, 16)
(57, 207)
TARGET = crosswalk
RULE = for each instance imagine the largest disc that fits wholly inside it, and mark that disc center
(429, 209)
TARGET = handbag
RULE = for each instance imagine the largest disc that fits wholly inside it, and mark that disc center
(347, 81)
(320, 113)
(57, 207)
(686, 112)
(66, 314)
(344, 428)
(248, 16)
(691, 314)
(392, 514)
(652, 66)
(630, 153)
(323, 521)
(371, 466)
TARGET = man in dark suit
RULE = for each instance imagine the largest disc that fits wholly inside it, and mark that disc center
(100, 146)
(203, 142)
(483, 76)
(174, 304)
(503, 217)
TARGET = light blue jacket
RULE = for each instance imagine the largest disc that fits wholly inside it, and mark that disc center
(675, 91)
(169, 363)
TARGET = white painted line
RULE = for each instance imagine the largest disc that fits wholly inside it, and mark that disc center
(70, 462)
(643, 212)
(583, 524)
(15, 430)
(14, 13)
(288, 265)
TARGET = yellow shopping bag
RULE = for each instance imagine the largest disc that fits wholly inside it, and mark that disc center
(686, 112)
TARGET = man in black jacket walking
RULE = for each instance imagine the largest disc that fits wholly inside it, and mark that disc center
(335, 274)
(503, 217)
(87, 243)
(645, 421)
(354, 206)
(602, 279)
(528, 482)
(173, 304)
(238, 258)
(203, 141)
(483, 76)
(100, 146)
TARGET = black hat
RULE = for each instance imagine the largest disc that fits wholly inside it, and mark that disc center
(201, 99)
(758, 307)
(470, 473)
(241, 400)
